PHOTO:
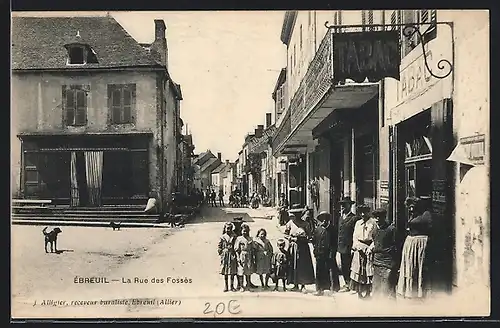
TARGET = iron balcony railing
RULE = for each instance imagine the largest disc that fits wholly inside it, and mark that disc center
(282, 131)
(315, 83)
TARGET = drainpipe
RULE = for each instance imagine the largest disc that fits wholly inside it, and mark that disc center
(162, 142)
(353, 166)
(381, 106)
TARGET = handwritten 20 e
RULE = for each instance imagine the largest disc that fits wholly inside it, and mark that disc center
(154, 280)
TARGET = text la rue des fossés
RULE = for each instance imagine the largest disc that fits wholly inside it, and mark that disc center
(133, 280)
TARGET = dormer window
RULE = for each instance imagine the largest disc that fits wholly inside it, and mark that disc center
(76, 55)
(80, 53)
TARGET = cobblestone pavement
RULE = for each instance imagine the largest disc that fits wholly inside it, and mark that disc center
(185, 258)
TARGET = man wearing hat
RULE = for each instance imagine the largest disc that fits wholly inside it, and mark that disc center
(324, 253)
(344, 242)
(237, 222)
(384, 255)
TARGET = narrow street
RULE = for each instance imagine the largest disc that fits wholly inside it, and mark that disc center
(174, 255)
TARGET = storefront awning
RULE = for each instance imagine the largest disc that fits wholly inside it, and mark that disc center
(86, 133)
(347, 96)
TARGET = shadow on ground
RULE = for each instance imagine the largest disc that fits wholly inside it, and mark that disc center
(221, 214)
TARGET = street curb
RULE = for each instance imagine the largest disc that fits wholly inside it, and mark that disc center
(87, 224)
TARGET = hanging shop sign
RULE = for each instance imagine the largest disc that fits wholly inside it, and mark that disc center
(372, 55)
(470, 150)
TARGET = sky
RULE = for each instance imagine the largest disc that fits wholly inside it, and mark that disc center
(227, 64)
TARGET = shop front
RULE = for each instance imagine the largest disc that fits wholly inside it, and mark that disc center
(86, 171)
(422, 144)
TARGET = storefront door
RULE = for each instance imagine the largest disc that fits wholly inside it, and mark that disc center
(296, 182)
(420, 147)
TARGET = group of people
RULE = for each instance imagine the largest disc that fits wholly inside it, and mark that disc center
(211, 197)
(241, 256)
(359, 253)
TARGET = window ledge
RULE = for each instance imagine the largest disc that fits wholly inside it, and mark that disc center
(70, 64)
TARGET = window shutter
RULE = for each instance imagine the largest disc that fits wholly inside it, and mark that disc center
(70, 106)
(133, 103)
(370, 19)
(110, 104)
(434, 16)
(363, 19)
(81, 107)
(116, 104)
(64, 105)
(424, 15)
(393, 20)
(127, 103)
(340, 17)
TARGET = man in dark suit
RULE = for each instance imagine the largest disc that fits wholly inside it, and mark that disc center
(344, 243)
(237, 222)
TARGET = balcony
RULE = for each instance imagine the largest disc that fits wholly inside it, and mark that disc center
(316, 97)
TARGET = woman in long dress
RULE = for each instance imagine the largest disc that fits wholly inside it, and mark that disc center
(413, 282)
(245, 257)
(301, 271)
(362, 260)
(263, 255)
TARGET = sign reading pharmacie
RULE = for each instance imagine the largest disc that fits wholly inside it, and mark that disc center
(371, 55)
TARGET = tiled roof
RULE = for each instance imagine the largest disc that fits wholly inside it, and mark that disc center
(219, 168)
(260, 144)
(203, 157)
(38, 43)
(211, 163)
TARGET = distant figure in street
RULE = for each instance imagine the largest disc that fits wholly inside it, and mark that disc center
(283, 210)
(245, 258)
(221, 198)
(323, 246)
(362, 259)
(212, 198)
(280, 264)
(384, 256)
(344, 243)
(263, 256)
(225, 249)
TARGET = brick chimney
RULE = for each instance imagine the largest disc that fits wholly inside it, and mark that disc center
(268, 120)
(159, 45)
(219, 156)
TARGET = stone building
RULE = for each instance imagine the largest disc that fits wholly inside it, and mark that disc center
(93, 112)
(379, 142)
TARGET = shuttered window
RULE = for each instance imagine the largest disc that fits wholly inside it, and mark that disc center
(121, 103)
(75, 104)
(370, 20)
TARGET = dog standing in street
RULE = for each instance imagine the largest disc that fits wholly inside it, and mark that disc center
(51, 238)
(115, 225)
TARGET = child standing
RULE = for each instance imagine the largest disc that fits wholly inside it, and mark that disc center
(280, 264)
(245, 257)
(263, 256)
(227, 254)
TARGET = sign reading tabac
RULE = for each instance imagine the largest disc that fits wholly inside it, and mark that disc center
(361, 55)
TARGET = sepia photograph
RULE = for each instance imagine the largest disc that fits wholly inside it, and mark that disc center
(250, 164)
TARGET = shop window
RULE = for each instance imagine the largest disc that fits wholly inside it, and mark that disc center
(418, 147)
(46, 174)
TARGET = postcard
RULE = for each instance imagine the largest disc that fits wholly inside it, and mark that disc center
(250, 164)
